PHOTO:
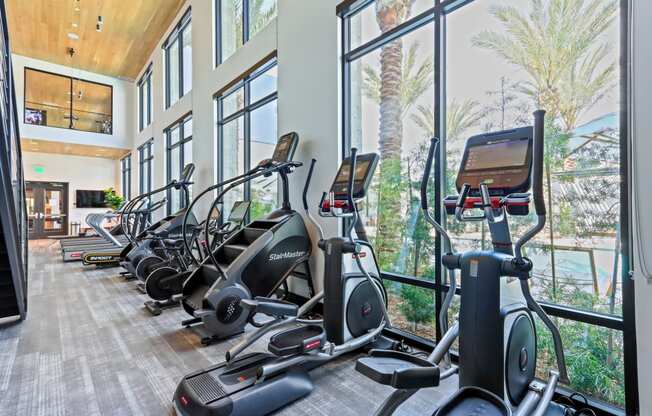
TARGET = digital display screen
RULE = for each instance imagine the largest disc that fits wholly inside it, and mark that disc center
(497, 155)
(361, 168)
(283, 149)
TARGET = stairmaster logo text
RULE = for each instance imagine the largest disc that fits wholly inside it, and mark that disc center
(286, 255)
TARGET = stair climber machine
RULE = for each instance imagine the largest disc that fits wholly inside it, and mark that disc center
(144, 245)
(167, 269)
(354, 315)
(495, 327)
(255, 261)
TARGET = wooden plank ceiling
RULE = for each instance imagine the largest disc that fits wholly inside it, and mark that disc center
(47, 146)
(131, 30)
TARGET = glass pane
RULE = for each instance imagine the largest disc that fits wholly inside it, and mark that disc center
(175, 169)
(146, 103)
(54, 210)
(264, 84)
(187, 59)
(264, 191)
(233, 158)
(575, 256)
(31, 211)
(173, 76)
(381, 16)
(231, 24)
(47, 99)
(187, 128)
(174, 135)
(92, 107)
(261, 12)
(400, 133)
(412, 308)
(233, 102)
(187, 158)
(594, 358)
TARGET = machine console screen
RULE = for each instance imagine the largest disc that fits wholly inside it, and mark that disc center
(505, 154)
(285, 147)
(501, 160)
(364, 172)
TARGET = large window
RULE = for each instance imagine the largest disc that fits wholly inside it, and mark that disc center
(145, 166)
(61, 101)
(412, 71)
(237, 21)
(247, 134)
(125, 176)
(145, 99)
(179, 153)
(178, 61)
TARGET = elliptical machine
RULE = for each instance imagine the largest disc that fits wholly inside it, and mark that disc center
(143, 245)
(497, 336)
(354, 315)
(255, 261)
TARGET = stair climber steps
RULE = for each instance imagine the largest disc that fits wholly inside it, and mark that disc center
(250, 234)
(232, 251)
(196, 299)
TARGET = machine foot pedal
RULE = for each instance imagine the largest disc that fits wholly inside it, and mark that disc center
(398, 369)
(297, 340)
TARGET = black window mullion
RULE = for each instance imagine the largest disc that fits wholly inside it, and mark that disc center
(247, 137)
(245, 21)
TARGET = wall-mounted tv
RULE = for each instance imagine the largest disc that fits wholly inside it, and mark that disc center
(90, 199)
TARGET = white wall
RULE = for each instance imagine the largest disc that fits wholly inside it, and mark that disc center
(641, 132)
(123, 111)
(90, 173)
(305, 36)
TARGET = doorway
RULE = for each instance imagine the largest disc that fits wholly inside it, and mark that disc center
(47, 209)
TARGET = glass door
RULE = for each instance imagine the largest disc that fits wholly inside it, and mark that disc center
(47, 209)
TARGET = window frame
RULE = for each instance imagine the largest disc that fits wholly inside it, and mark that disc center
(145, 80)
(437, 15)
(180, 123)
(71, 107)
(175, 36)
(246, 36)
(145, 163)
(125, 176)
(244, 82)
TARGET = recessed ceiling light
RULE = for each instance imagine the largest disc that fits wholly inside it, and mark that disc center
(75, 25)
(73, 36)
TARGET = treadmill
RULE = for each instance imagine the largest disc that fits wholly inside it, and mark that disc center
(75, 252)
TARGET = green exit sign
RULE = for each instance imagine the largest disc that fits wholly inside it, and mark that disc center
(39, 169)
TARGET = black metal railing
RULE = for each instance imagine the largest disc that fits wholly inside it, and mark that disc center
(13, 213)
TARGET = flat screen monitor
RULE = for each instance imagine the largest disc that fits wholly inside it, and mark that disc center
(239, 211)
(90, 199)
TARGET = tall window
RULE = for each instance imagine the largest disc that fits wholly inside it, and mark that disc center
(179, 153)
(178, 61)
(461, 68)
(60, 101)
(145, 99)
(145, 165)
(125, 176)
(237, 21)
(247, 134)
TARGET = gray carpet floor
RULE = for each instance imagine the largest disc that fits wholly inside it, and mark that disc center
(88, 347)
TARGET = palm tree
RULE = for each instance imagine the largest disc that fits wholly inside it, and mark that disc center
(555, 45)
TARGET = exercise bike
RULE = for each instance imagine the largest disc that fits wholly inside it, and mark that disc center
(170, 265)
(496, 329)
(354, 315)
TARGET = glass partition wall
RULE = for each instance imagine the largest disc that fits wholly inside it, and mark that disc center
(417, 69)
(55, 100)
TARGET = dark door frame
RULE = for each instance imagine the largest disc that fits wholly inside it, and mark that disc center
(39, 205)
